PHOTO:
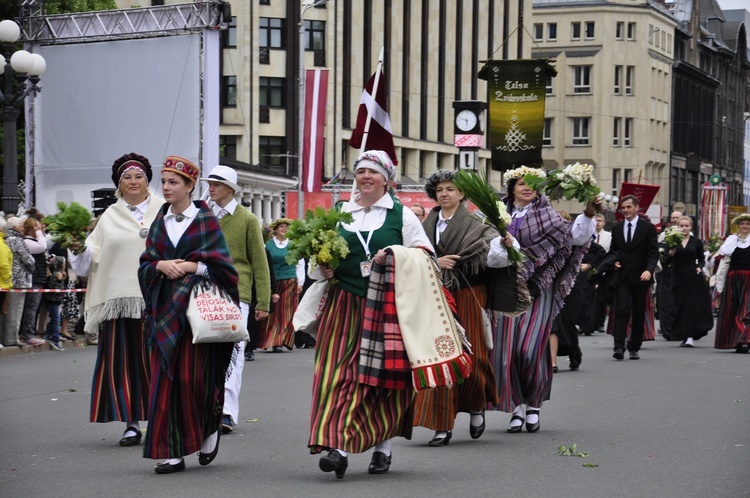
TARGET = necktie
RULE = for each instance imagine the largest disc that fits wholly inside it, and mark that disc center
(630, 232)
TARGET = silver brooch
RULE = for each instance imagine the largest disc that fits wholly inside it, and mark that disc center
(179, 218)
(143, 233)
(132, 208)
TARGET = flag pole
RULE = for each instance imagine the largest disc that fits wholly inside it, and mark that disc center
(374, 97)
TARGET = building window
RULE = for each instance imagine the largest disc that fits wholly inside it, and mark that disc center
(552, 31)
(581, 79)
(265, 2)
(631, 31)
(618, 80)
(230, 34)
(619, 30)
(228, 146)
(547, 133)
(628, 175)
(272, 150)
(548, 88)
(575, 31)
(538, 31)
(315, 35)
(589, 30)
(229, 91)
(627, 139)
(271, 92)
(615, 180)
(271, 32)
(616, 127)
(581, 131)
(629, 79)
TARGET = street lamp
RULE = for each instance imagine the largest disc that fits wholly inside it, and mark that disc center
(28, 67)
(306, 5)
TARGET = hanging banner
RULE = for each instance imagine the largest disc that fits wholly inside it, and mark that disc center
(644, 193)
(516, 90)
(713, 209)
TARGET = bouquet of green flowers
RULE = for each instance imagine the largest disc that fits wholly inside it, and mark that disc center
(70, 225)
(714, 243)
(317, 239)
(478, 191)
(575, 182)
(673, 236)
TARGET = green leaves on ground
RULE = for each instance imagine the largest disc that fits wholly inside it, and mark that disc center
(571, 450)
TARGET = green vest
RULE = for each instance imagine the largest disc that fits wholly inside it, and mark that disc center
(281, 269)
(348, 273)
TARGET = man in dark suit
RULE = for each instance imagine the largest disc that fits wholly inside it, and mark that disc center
(636, 254)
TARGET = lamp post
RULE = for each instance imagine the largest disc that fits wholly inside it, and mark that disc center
(306, 5)
(28, 67)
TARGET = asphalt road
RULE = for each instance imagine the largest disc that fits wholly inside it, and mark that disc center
(675, 423)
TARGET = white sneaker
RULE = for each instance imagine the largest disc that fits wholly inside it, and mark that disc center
(1, 346)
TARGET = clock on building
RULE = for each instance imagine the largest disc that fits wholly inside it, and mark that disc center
(466, 120)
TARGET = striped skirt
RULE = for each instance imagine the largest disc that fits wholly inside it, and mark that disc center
(436, 409)
(122, 373)
(521, 358)
(279, 330)
(733, 322)
(649, 323)
(345, 414)
(186, 409)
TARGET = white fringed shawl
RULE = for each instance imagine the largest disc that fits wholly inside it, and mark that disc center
(116, 244)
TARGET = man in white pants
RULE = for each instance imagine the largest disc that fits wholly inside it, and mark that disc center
(244, 237)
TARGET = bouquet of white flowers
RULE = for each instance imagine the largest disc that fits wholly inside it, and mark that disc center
(673, 236)
(575, 182)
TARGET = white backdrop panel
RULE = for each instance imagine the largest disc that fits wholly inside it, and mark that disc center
(103, 100)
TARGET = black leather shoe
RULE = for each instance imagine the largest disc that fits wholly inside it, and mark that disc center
(206, 458)
(379, 463)
(634, 355)
(440, 440)
(476, 432)
(532, 427)
(515, 428)
(619, 354)
(554, 369)
(744, 349)
(131, 440)
(334, 462)
(165, 468)
(249, 356)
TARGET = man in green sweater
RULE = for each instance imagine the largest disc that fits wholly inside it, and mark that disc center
(244, 237)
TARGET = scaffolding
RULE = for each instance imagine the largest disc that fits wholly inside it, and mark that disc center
(108, 25)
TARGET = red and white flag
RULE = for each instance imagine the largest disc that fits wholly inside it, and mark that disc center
(316, 92)
(379, 136)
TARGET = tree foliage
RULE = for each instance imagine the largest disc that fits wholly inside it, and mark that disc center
(65, 6)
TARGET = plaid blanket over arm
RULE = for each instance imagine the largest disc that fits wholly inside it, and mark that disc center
(409, 336)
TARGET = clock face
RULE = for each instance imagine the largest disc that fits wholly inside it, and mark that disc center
(466, 120)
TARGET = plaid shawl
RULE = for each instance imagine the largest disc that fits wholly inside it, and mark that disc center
(551, 259)
(410, 338)
(165, 314)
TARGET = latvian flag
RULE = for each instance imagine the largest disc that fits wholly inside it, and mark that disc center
(380, 134)
(316, 92)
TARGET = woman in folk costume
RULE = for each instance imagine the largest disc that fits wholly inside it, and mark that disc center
(554, 249)
(464, 247)
(185, 244)
(278, 329)
(733, 322)
(114, 304)
(349, 417)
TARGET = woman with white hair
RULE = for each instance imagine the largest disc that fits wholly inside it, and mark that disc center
(23, 267)
(347, 416)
